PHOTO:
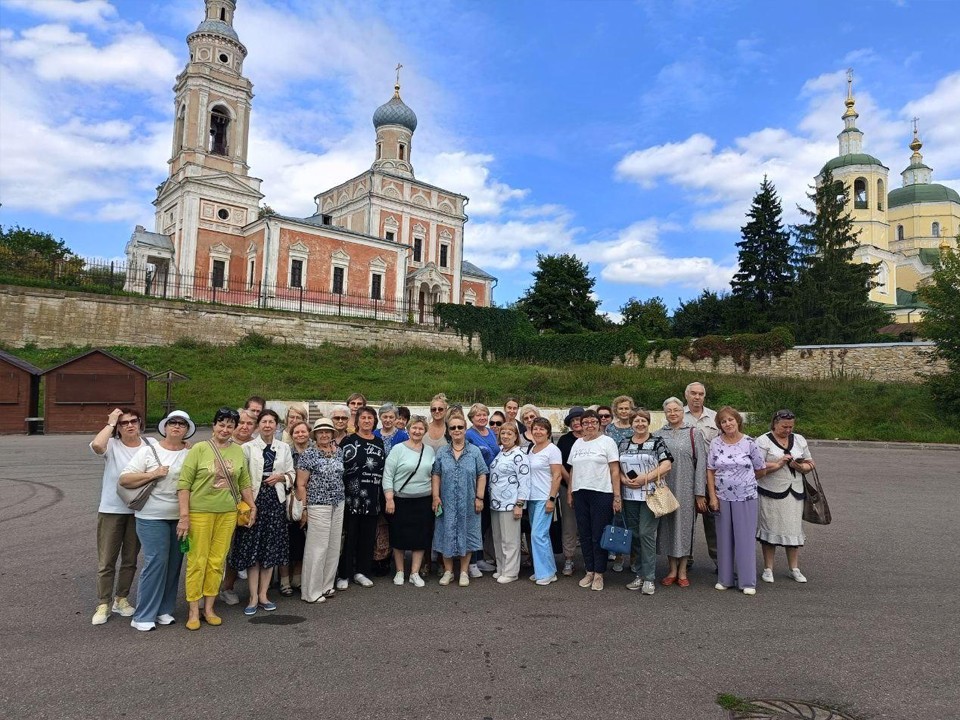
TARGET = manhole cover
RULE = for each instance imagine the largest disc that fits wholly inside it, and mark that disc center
(277, 620)
(786, 710)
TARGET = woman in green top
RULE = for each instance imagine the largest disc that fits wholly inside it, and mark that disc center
(213, 478)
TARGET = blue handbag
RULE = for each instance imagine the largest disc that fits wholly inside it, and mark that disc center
(617, 539)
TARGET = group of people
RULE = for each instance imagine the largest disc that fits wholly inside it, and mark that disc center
(464, 491)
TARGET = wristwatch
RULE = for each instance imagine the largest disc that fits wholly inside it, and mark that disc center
(552, 498)
(519, 504)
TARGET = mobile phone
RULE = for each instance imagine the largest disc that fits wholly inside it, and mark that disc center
(633, 475)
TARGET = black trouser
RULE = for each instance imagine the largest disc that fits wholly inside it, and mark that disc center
(358, 545)
(594, 511)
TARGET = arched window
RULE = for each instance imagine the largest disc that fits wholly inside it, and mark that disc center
(403, 151)
(935, 229)
(223, 14)
(379, 151)
(880, 194)
(219, 124)
(178, 129)
(860, 194)
(899, 233)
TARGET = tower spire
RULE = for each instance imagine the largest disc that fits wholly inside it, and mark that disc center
(850, 114)
(851, 139)
(917, 172)
(396, 88)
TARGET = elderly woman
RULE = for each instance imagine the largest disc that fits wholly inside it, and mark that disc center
(621, 428)
(363, 462)
(408, 490)
(687, 480)
(403, 417)
(734, 462)
(159, 464)
(300, 440)
(296, 413)
(116, 443)
(388, 431)
(266, 545)
(568, 519)
(459, 484)
(246, 426)
(595, 482)
(354, 402)
(780, 519)
(436, 436)
(320, 489)
(528, 413)
(213, 479)
(509, 490)
(341, 416)
(644, 458)
(546, 470)
(486, 440)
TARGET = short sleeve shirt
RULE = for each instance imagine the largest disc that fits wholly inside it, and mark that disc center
(325, 484)
(590, 462)
(734, 467)
(541, 474)
(641, 458)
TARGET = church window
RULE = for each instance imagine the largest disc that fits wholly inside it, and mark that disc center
(880, 194)
(251, 272)
(223, 14)
(376, 286)
(178, 128)
(327, 219)
(391, 235)
(296, 273)
(860, 194)
(338, 276)
(935, 229)
(444, 255)
(403, 151)
(223, 213)
(219, 273)
(899, 233)
(418, 250)
(379, 151)
(224, 58)
(219, 124)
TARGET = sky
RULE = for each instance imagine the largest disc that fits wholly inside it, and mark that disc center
(633, 134)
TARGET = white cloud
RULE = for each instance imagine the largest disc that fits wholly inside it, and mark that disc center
(512, 243)
(85, 12)
(469, 174)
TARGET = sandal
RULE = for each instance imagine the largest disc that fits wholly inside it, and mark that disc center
(668, 580)
(683, 582)
(286, 591)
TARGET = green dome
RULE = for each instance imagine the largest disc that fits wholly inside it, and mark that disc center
(921, 193)
(852, 159)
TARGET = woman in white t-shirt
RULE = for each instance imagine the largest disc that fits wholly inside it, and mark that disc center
(595, 484)
(545, 474)
(159, 463)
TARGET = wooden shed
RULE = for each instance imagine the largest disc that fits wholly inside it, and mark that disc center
(80, 393)
(19, 395)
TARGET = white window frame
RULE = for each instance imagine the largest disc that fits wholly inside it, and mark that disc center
(341, 260)
(378, 266)
(219, 252)
(297, 251)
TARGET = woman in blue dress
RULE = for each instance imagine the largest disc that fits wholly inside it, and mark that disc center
(459, 482)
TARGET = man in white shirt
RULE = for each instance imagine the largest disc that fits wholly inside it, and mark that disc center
(705, 420)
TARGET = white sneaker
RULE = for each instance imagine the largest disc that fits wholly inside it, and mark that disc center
(648, 588)
(343, 584)
(362, 580)
(474, 571)
(635, 584)
(166, 620)
(330, 593)
(464, 579)
(101, 615)
(797, 575)
(547, 581)
(767, 575)
(123, 608)
(719, 586)
(398, 579)
(617, 567)
(506, 579)
(230, 597)
(142, 626)
(484, 566)
(496, 576)
(242, 574)
(416, 580)
(749, 591)
(446, 578)
(568, 568)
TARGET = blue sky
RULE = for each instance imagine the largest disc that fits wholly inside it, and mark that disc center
(631, 133)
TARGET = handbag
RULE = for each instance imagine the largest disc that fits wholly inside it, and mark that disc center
(617, 539)
(243, 508)
(136, 498)
(294, 508)
(661, 499)
(815, 507)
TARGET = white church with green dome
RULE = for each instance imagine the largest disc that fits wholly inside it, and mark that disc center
(902, 229)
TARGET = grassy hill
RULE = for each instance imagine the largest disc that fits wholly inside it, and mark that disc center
(836, 408)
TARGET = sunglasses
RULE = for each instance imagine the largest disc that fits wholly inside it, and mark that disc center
(496, 423)
(456, 427)
(181, 423)
(605, 416)
(129, 422)
(784, 415)
(339, 417)
(437, 409)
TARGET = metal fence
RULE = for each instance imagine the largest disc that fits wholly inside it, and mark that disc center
(100, 276)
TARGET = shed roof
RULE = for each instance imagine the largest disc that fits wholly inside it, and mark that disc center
(17, 362)
(98, 351)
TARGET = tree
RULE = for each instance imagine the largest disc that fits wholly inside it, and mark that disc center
(831, 302)
(706, 314)
(941, 323)
(765, 274)
(560, 297)
(31, 253)
(647, 316)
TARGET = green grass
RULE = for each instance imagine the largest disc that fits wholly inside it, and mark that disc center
(838, 408)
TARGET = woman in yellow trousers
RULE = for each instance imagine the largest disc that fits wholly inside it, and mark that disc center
(213, 477)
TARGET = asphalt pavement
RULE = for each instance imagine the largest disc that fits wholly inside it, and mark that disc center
(874, 632)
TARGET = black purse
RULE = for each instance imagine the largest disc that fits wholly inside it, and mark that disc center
(816, 510)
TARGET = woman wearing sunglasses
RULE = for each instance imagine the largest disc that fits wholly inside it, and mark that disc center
(436, 436)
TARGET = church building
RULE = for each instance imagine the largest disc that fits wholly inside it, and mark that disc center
(902, 230)
(380, 236)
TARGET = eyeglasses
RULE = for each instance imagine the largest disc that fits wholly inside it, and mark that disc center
(135, 421)
(589, 422)
(181, 423)
(496, 423)
(605, 416)
(340, 417)
(456, 427)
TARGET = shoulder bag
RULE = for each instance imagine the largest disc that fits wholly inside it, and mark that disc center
(243, 509)
(617, 538)
(661, 499)
(815, 507)
(136, 498)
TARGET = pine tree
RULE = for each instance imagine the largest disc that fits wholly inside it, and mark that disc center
(831, 302)
(765, 276)
(941, 323)
(560, 297)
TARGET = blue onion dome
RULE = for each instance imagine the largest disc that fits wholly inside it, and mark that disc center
(395, 112)
(218, 27)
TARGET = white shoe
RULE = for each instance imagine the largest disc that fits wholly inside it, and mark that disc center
(485, 566)
(242, 574)
(166, 620)
(343, 584)
(749, 591)
(142, 626)
(446, 578)
(123, 608)
(416, 580)
(507, 579)
(767, 575)
(648, 588)
(474, 571)
(362, 580)
(568, 568)
(533, 578)
(101, 615)
(547, 581)
(496, 576)
(229, 597)
(465, 579)
(617, 567)
(797, 575)
(330, 593)
(635, 584)
(398, 579)
(719, 586)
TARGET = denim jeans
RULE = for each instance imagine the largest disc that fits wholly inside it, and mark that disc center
(160, 576)
(544, 562)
